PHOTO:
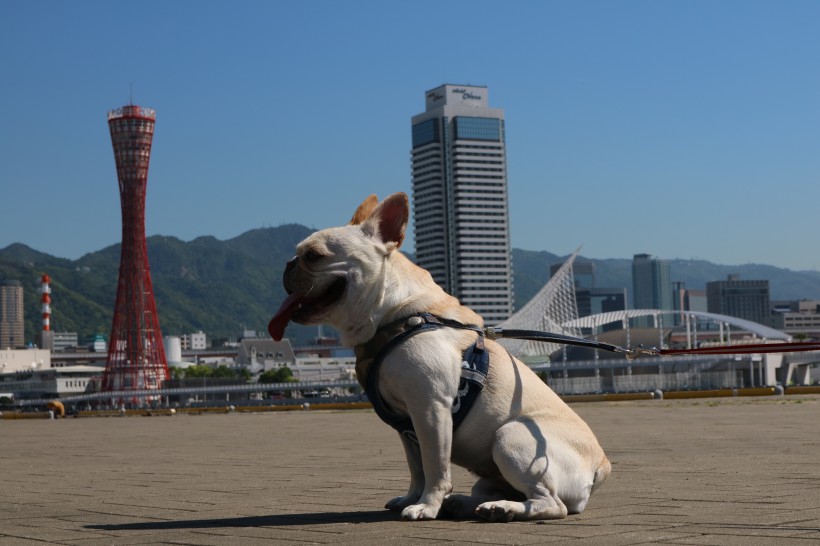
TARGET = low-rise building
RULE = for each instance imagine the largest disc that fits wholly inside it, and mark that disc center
(24, 360)
(800, 319)
(199, 341)
(315, 368)
(263, 354)
(64, 341)
(194, 342)
(29, 373)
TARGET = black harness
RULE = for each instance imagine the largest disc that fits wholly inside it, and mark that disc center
(475, 365)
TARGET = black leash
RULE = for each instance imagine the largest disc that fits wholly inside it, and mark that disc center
(632, 353)
(547, 337)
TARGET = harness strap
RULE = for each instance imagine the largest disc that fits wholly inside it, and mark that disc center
(474, 368)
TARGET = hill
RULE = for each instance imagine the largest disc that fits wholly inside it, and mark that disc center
(219, 287)
(222, 287)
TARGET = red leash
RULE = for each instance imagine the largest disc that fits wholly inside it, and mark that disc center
(785, 347)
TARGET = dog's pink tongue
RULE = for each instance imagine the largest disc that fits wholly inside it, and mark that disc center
(276, 326)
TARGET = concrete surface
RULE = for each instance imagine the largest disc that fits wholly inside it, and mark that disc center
(709, 472)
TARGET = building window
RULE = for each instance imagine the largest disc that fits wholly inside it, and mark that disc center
(425, 133)
(469, 128)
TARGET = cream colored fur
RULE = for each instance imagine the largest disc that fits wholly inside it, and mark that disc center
(535, 458)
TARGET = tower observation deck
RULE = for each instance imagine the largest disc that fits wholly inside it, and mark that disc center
(136, 357)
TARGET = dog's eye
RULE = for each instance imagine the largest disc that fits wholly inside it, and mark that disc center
(312, 256)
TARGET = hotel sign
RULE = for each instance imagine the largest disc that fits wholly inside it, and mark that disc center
(465, 95)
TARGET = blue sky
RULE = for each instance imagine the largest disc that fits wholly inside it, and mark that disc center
(681, 129)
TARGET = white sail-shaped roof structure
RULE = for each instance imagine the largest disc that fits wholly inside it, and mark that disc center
(552, 307)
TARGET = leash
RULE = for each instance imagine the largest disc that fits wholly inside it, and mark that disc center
(632, 353)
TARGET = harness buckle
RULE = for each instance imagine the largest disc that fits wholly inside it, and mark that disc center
(493, 333)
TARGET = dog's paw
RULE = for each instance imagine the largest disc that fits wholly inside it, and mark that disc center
(496, 511)
(419, 511)
(400, 503)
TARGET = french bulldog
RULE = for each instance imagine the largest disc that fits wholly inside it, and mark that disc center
(535, 458)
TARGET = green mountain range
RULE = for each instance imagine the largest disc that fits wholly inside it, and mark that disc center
(224, 287)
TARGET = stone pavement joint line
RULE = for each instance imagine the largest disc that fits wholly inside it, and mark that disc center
(705, 472)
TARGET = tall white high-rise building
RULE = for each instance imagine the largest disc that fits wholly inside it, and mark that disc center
(460, 204)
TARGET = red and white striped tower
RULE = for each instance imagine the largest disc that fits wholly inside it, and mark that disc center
(45, 290)
(46, 336)
(136, 357)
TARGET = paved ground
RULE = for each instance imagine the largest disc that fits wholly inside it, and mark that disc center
(715, 471)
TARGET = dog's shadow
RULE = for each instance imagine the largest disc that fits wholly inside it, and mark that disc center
(274, 520)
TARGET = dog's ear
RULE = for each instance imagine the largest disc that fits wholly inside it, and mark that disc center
(364, 210)
(389, 220)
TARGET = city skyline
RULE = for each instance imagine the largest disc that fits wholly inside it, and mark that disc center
(681, 130)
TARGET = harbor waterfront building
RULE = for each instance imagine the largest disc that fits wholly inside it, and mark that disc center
(460, 199)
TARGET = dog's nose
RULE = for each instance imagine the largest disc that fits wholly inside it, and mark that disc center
(286, 275)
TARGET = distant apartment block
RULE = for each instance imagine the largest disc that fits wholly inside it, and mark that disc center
(738, 298)
(651, 283)
(12, 325)
(651, 286)
(194, 342)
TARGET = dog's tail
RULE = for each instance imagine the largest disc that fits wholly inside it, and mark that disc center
(601, 474)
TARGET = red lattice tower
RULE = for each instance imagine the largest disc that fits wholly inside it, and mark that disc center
(136, 357)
